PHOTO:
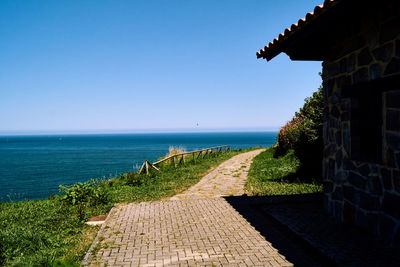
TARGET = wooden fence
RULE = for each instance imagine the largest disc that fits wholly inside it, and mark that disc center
(180, 158)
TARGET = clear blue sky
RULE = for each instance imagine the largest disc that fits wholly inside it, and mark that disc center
(145, 65)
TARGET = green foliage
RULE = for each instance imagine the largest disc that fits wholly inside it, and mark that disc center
(134, 179)
(83, 194)
(76, 194)
(64, 263)
(303, 134)
(37, 232)
(271, 175)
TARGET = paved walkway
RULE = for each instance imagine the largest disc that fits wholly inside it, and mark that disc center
(201, 232)
(227, 179)
(196, 228)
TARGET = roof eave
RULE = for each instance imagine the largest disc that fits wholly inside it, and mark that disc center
(301, 40)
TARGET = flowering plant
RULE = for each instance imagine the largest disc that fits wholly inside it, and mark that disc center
(303, 133)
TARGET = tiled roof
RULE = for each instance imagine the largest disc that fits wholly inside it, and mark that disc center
(273, 48)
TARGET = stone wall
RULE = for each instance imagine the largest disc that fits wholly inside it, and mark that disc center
(361, 192)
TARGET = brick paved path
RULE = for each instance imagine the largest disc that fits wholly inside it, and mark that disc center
(201, 232)
(227, 179)
(206, 231)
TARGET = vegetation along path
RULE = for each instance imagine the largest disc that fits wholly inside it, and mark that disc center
(195, 228)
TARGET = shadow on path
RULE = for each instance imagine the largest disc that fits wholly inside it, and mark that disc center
(297, 226)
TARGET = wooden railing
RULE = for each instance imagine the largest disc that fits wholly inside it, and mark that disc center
(177, 159)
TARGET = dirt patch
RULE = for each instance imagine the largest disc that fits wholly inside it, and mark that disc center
(98, 218)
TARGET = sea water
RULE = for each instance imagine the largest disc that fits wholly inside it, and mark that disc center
(33, 167)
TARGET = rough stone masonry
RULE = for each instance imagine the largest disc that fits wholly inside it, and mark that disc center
(362, 169)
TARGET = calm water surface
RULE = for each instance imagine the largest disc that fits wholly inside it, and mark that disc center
(32, 167)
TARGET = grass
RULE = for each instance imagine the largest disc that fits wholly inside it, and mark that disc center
(278, 176)
(50, 233)
(36, 233)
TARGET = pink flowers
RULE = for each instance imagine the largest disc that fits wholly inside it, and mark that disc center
(301, 128)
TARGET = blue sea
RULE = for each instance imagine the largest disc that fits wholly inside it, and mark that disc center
(33, 167)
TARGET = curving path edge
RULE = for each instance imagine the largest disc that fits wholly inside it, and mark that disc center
(228, 179)
(195, 228)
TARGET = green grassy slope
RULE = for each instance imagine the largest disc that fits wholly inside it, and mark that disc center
(277, 176)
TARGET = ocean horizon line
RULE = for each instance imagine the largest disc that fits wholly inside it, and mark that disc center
(141, 131)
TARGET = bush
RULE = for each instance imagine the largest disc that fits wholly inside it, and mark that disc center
(82, 194)
(303, 134)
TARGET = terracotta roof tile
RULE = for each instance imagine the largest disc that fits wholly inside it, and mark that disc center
(269, 51)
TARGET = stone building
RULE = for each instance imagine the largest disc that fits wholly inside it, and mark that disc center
(358, 43)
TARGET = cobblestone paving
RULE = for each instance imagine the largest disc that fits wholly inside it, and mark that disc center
(200, 232)
(195, 229)
(227, 179)
(344, 245)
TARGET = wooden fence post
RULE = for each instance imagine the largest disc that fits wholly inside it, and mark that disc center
(147, 167)
(173, 161)
(141, 168)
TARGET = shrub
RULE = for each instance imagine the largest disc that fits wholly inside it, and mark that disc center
(99, 196)
(82, 194)
(303, 134)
